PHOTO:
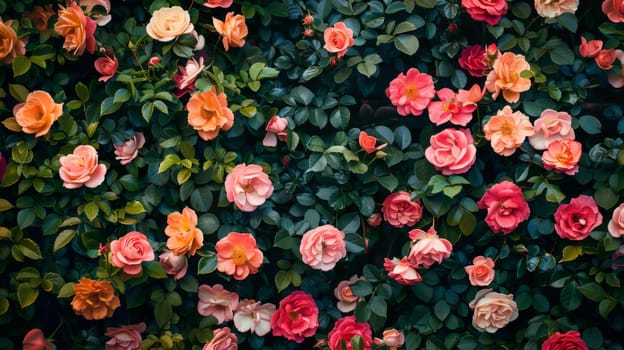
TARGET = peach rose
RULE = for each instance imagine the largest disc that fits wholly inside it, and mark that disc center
(107, 65)
(400, 210)
(492, 310)
(238, 255)
(129, 251)
(551, 126)
(605, 59)
(368, 142)
(452, 151)
(617, 80)
(217, 302)
(77, 29)
(616, 224)
(168, 23)
(184, 236)
(125, 337)
(251, 316)
(40, 16)
(338, 39)
(10, 45)
(481, 272)
(36, 115)
(555, 8)
(248, 187)
(208, 113)
(505, 77)
(563, 156)
(346, 300)
(233, 29)
(94, 300)
(275, 130)
(218, 3)
(82, 168)
(393, 338)
(175, 265)
(428, 248)
(590, 49)
(614, 9)
(402, 271)
(130, 149)
(222, 339)
(322, 247)
(507, 130)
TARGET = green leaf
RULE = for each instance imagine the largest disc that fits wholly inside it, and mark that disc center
(154, 269)
(606, 197)
(201, 198)
(134, 208)
(91, 209)
(570, 253)
(26, 295)
(121, 96)
(30, 249)
(255, 69)
(109, 106)
(406, 43)
(67, 290)
(389, 182)
(441, 309)
(282, 280)
(606, 306)
(206, 264)
(593, 291)
(18, 91)
(568, 21)
(4, 305)
(63, 238)
(361, 288)
(82, 91)
(208, 223)
(367, 69)
(362, 312)
(378, 306)
(21, 65)
(590, 124)
(302, 95)
(562, 55)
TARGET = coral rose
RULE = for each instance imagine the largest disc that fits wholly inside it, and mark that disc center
(590, 49)
(614, 9)
(208, 113)
(605, 59)
(400, 210)
(35, 340)
(617, 80)
(186, 76)
(168, 23)
(576, 219)
(125, 337)
(129, 251)
(175, 265)
(10, 45)
(428, 248)
(129, 150)
(248, 187)
(507, 130)
(38, 113)
(489, 11)
(393, 338)
(222, 339)
(368, 142)
(616, 224)
(251, 316)
(238, 255)
(570, 340)
(322, 247)
(233, 30)
(275, 130)
(82, 168)
(40, 16)
(551, 126)
(555, 8)
(402, 271)
(218, 3)
(450, 109)
(452, 151)
(562, 156)
(411, 93)
(481, 272)
(338, 39)
(506, 207)
(474, 60)
(107, 65)
(184, 236)
(339, 338)
(217, 302)
(492, 310)
(94, 300)
(505, 77)
(296, 318)
(346, 300)
(77, 29)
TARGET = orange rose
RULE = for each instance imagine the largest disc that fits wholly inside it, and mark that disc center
(238, 255)
(184, 236)
(507, 130)
(10, 45)
(40, 17)
(338, 39)
(168, 23)
(94, 300)
(77, 29)
(505, 77)
(208, 113)
(233, 30)
(563, 156)
(37, 114)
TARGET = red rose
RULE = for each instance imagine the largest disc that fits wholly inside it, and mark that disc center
(570, 340)
(506, 207)
(489, 11)
(578, 218)
(345, 329)
(296, 318)
(474, 60)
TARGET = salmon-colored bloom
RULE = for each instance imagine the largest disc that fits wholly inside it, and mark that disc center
(82, 168)
(563, 156)
(40, 16)
(481, 272)
(338, 39)
(346, 300)
(506, 207)
(208, 113)
(125, 337)
(107, 65)
(551, 126)
(129, 149)
(222, 339)
(36, 115)
(129, 251)
(77, 29)
(505, 77)
(322, 247)
(184, 236)
(400, 210)
(218, 3)
(392, 338)
(428, 248)
(35, 340)
(233, 30)
(617, 80)
(10, 45)
(368, 142)
(507, 130)
(614, 9)
(402, 271)
(590, 49)
(450, 108)
(238, 255)
(452, 151)
(168, 23)
(555, 8)
(248, 187)
(605, 59)
(217, 302)
(94, 300)
(275, 130)
(411, 93)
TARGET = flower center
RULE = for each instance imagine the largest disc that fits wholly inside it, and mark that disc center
(451, 107)
(294, 316)
(239, 256)
(411, 91)
(507, 129)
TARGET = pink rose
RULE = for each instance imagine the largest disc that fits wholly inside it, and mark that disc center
(616, 224)
(296, 317)
(492, 310)
(614, 9)
(175, 265)
(100, 18)
(489, 11)
(368, 142)
(411, 93)
(321, 248)
(474, 60)
(129, 251)
(402, 271)
(338, 39)
(400, 210)
(481, 272)
(248, 187)
(127, 152)
(275, 130)
(452, 151)
(551, 126)
(222, 339)
(562, 156)
(345, 329)
(617, 80)
(374, 220)
(450, 109)
(218, 3)
(346, 300)
(186, 76)
(570, 340)
(251, 316)
(506, 207)
(125, 337)
(217, 302)
(605, 59)
(35, 340)
(107, 65)
(428, 248)
(590, 49)
(393, 338)
(82, 168)
(578, 218)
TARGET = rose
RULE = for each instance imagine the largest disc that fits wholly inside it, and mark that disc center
(35, 340)
(346, 300)
(614, 9)
(368, 142)
(186, 76)
(551, 126)
(411, 93)
(393, 338)
(296, 318)
(252, 316)
(322, 247)
(238, 255)
(99, 18)
(555, 8)
(589, 49)
(175, 265)
(374, 220)
(617, 80)
(275, 130)
(222, 339)
(129, 251)
(129, 149)
(82, 168)
(94, 300)
(506, 76)
(218, 3)
(427, 248)
(40, 16)
(402, 271)
(167, 23)
(77, 29)
(451, 108)
(481, 272)
(338, 39)
(562, 156)
(507, 130)
(474, 60)
(605, 59)
(345, 329)
(208, 113)
(107, 65)
(489, 11)
(492, 310)
(10, 45)
(506, 207)
(125, 337)
(576, 219)
(217, 302)
(233, 29)
(616, 224)
(452, 151)
(570, 340)
(248, 187)
(37, 114)
(399, 209)
(184, 236)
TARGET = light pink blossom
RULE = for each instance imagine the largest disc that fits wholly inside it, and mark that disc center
(217, 302)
